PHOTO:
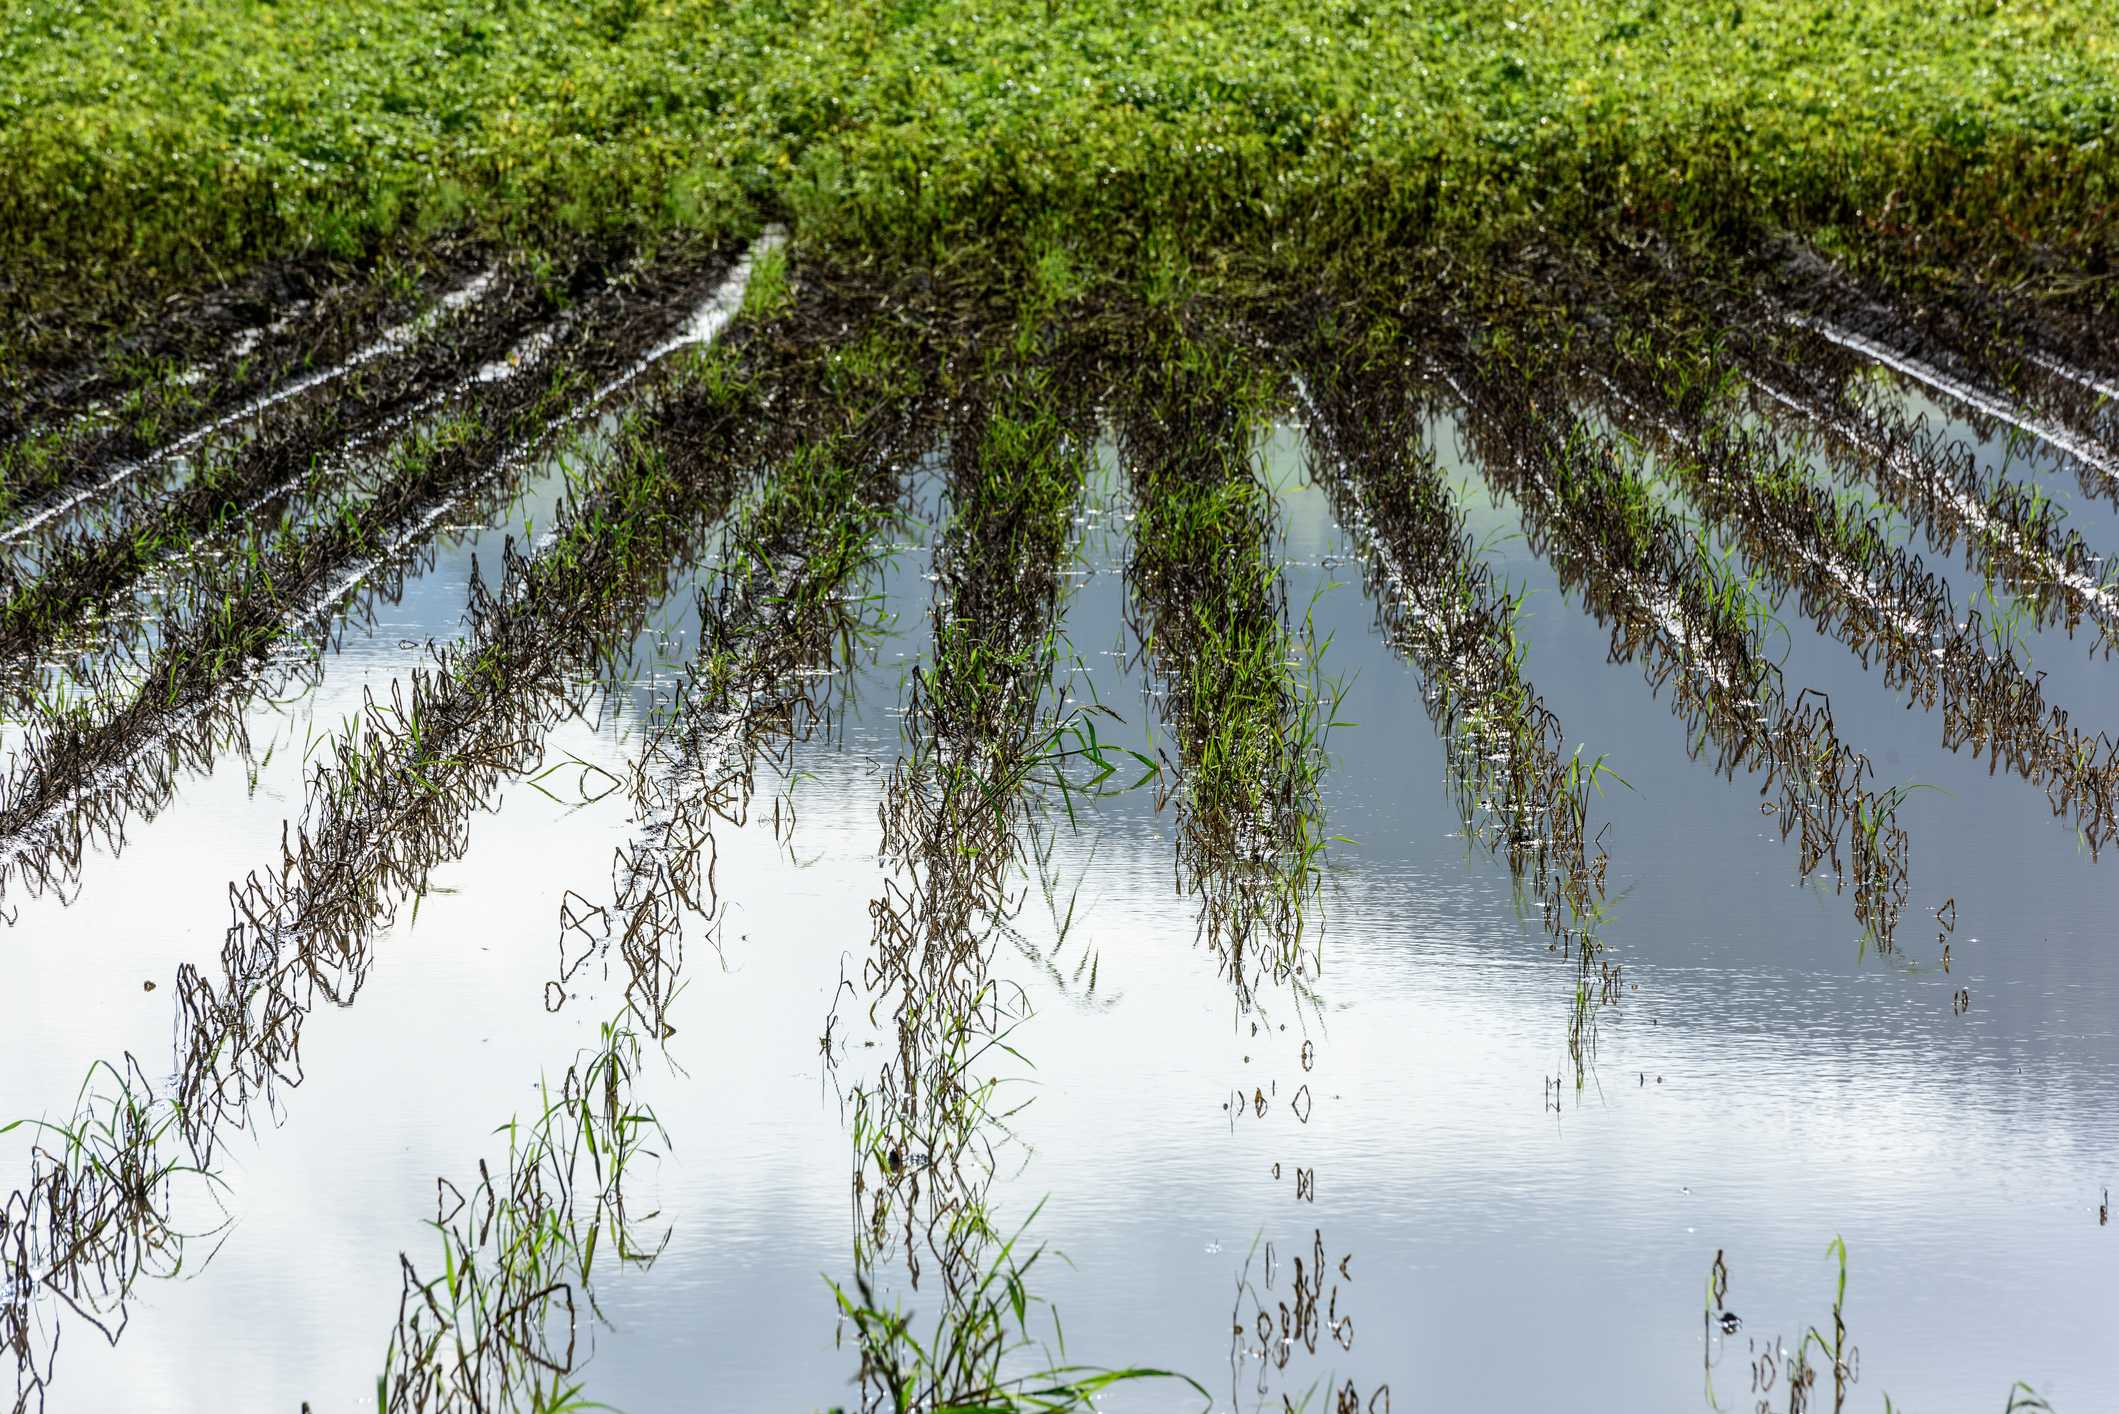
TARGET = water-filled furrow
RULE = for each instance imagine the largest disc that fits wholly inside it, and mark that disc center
(68, 473)
(816, 531)
(240, 338)
(988, 743)
(301, 458)
(782, 608)
(2089, 452)
(2009, 531)
(239, 622)
(224, 341)
(1878, 597)
(2005, 361)
(1440, 606)
(397, 793)
(1693, 626)
(381, 386)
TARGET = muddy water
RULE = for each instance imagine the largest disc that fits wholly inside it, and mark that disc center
(1505, 1243)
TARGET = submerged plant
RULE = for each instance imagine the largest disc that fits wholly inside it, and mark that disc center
(985, 748)
(1243, 692)
(1821, 1359)
(498, 1328)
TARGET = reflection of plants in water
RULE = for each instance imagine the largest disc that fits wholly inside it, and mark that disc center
(1756, 482)
(1824, 1358)
(2012, 531)
(1519, 792)
(497, 1328)
(1693, 627)
(1773, 1367)
(97, 1215)
(786, 606)
(1271, 1329)
(927, 1129)
(394, 798)
(1080, 983)
(1244, 694)
(231, 622)
(783, 604)
(958, 1369)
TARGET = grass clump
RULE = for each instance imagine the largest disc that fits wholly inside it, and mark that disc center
(499, 1327)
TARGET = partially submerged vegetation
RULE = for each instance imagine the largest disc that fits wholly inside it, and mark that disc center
(1519, 790)
(1695, 625)
(500, 1327)
(1755, 486)
(93, 760)
(990, 754)
(1242, 693)
(395, 796)
(271, 324)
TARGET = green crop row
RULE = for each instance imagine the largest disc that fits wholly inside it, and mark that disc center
(168, 141)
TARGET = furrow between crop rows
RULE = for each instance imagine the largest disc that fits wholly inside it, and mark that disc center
(1878, 597)
(238, 623)
(1518, 791)
(246, 488)
(987, 748)
(395, 798)
(1693, 626)
(2011, 532)
(59, 469)
(501, 1318)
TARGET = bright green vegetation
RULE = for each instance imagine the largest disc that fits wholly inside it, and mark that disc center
(1246, 702)
(176, 139)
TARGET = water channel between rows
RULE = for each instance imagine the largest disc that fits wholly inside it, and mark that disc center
(1763, 1084)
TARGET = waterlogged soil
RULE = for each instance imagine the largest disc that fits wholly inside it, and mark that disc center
(1496, 1228)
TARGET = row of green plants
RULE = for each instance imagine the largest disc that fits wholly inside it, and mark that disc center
(164, 381)
(1240, 680)
(941, 1303)
(250, 488)
(2012, 531)
(392, 797)
(1519, 790)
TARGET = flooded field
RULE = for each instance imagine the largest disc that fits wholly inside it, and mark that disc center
(705, 835)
